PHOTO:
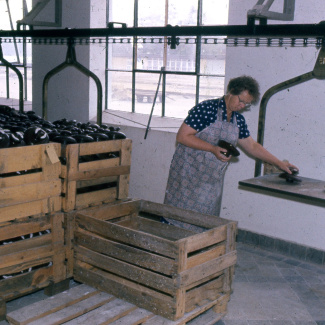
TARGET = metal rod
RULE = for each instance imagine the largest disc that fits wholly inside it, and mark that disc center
(290, 30)
(154, 102)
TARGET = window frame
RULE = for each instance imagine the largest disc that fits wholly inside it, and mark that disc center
(197, 69)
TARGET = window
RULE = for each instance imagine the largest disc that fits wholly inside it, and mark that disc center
(134, 64)
(15, 51)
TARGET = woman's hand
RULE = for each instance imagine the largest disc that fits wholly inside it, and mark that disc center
(220, 152)
(285, 166)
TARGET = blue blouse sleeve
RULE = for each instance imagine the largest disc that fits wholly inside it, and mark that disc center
(202, 115)
(243, 129)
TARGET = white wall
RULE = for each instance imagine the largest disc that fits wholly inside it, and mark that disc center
(293, 131)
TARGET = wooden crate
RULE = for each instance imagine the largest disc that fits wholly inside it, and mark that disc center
(32, 254)
(125, 250)
(84, 305)
(91, 176)
(29, 181)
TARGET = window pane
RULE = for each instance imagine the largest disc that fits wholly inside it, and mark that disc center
(150, 56)
(151, 13)
(121, 11)
(145, 90)
(120, 54)
(119, 91)
(215, 12)
(180, 95)
(182, 58)
(182, 13)
(213, 59)
(211, 87)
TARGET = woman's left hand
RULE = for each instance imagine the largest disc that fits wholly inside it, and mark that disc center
(285, 166)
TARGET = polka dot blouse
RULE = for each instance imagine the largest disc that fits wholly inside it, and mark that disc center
(205, 113)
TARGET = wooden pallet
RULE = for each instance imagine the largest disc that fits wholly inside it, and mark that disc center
(29, 181)
(84, 305)
(125, 250)
(91, 176)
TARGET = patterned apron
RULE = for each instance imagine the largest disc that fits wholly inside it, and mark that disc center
(196, 177)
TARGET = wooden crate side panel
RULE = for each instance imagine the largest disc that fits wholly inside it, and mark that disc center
(188, 317)
(96, 181)
(211, 290)
(126, 270)
(15, 159)
(112, 211)
(207, 238)
(206, 256)
(139, 295)
(22, 210)
(86, 167)
(163, 230)
(95, 197)
(127, 236)
(124, 179)
(101, 147)
(208, 268)
(29, 192)
(20, 285)
(126, 253)
(201, 220)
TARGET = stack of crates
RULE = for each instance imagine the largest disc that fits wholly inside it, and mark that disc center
(31, 221)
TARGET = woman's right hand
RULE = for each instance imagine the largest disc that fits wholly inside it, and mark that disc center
(219, 152)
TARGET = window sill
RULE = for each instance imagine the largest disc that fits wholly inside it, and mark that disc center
(165, 124)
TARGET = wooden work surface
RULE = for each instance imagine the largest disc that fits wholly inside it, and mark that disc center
(308, 188)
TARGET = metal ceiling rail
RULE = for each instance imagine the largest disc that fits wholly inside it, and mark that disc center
(282, 30)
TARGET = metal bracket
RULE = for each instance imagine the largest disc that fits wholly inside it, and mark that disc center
(30, 17)
(261, 11)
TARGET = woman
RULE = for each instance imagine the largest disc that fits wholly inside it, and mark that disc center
(197, 170)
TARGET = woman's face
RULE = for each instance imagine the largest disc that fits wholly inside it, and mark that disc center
(239, 102)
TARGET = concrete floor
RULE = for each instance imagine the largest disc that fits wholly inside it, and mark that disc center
(269, 289)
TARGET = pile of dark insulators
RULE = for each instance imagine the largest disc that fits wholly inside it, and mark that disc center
(27, 128)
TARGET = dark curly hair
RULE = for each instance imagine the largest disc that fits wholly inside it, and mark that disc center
(239, 84)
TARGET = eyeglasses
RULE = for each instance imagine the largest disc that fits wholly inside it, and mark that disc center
(246, 105)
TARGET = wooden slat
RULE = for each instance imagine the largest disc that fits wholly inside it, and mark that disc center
(126, 270)
(129, 236)
(20, 285)
(122, 288)
(29, 192)
(97, 181)
(138, 316)
(45, 307)
(22, 210)
(208, 291)
(158, 320)
(94, 197)
(208, 268)
(101, 147)
(107, 314)
(26, 256)
(126, 253)
(75, 310)
(205, 256)
(23, 228)
(96, 165)
(25, 244)
(207, 238)
(107, 212)
(163, 230)
(201, 220)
